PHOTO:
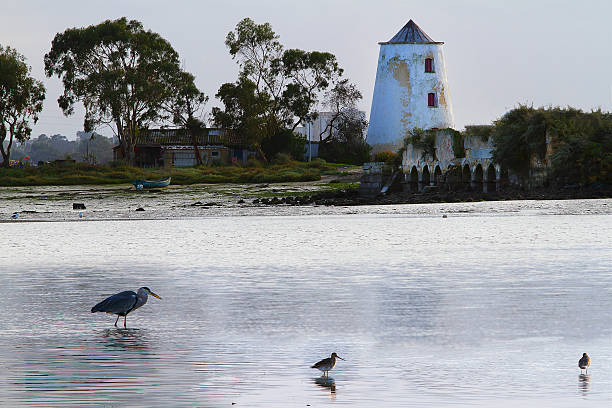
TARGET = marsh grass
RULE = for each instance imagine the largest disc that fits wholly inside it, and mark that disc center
(86, 174)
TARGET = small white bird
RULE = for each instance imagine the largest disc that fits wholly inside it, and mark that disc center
(327, 363)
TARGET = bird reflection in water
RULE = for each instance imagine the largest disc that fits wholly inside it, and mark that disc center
(129, 339)
(326, 382)
(584, 383)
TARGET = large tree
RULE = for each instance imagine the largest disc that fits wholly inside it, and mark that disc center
(186, 108)
(21, 100)
(121, 73)
(276, 89)
(341, 101)
(245, 111)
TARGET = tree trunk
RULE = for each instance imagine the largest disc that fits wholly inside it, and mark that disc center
(129, 141)
(5, 158)
(131, 159)
(194, 140)
(6, 154)
(263, 155)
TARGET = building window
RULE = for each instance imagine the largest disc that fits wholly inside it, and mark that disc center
(214, 154)
(431, 99)
(429, 65)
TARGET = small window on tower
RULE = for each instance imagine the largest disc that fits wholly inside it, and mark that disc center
(429, 65)
(431, 99)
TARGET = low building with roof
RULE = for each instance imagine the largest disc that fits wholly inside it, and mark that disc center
(175, 148)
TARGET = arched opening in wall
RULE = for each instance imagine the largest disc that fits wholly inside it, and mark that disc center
(414, 179)
(466, 177)
(437, 176)
(452, 178)
(425, 177)
(504, 178)
(478, 174)
(491, 179)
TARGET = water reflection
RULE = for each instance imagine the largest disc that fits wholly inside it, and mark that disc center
(128, 339)
(326, 382)
(247, 311)
(584, 383)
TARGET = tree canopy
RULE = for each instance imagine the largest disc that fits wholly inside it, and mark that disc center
(122, 73)
(581, 142)
(21, 100)
(276, 89)
(186, 106)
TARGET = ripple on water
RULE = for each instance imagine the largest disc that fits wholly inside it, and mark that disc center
(470, 310)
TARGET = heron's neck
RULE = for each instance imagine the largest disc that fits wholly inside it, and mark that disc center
(142, 298)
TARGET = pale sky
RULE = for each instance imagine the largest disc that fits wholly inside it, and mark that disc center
(498, 53)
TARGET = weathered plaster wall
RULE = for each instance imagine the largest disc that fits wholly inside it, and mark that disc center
(399, 103)
(477, 148)
(477, 152)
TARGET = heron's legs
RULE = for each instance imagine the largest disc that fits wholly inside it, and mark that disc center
(117, 320)
(124, 319)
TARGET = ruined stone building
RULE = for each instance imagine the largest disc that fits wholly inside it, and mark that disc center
(411, 88)
(411, 91)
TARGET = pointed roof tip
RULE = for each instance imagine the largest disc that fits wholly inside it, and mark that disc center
(411, 33)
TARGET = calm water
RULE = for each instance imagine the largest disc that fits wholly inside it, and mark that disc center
(492, 306)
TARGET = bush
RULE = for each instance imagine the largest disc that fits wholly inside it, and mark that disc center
(386, 156)
(581, 142)
(282, 158)
(518, 136)
(421, 139)
(356, 152)
(286, 142)
(317, 163)
(252, 162)
(117, 163)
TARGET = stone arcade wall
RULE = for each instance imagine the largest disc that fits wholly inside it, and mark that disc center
(476, 170)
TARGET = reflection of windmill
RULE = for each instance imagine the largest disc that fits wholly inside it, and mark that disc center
(326, 382)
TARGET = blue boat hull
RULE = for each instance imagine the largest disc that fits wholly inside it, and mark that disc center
(140, 184)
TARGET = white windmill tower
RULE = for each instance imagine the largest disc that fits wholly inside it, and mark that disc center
(411, 88)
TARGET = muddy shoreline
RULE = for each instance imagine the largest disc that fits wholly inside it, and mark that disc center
(351, 197)
(57, 203)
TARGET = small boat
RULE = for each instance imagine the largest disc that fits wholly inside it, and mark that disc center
(140, 184)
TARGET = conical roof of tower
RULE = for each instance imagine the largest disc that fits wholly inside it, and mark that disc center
(411, 33)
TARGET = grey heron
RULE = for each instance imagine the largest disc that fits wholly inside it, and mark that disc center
(123, 303)
(327, 363)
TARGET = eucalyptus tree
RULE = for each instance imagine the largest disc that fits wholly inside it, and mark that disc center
(21, 100)
(284, 85)
(186, 108)
(245, 111)
(122, 73)
(341, 101)
(310, 74)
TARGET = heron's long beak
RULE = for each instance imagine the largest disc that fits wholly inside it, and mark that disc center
(157, 296)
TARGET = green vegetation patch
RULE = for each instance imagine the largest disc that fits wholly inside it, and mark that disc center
(481, 131)
(83, 174)
(580, 143)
